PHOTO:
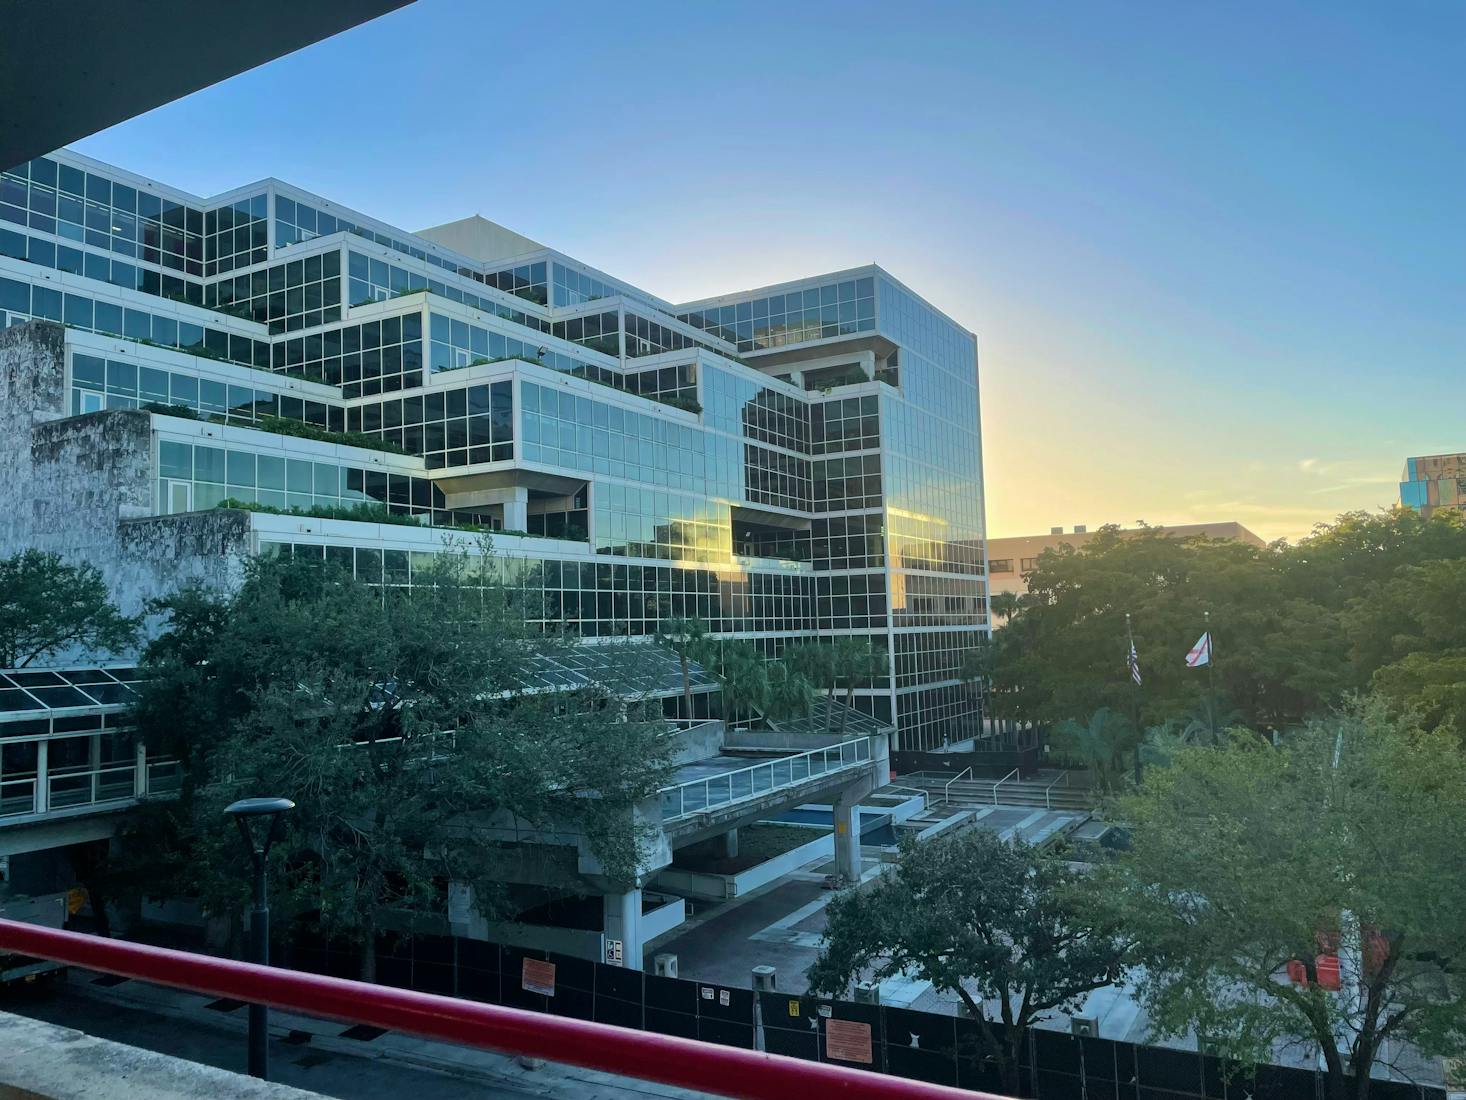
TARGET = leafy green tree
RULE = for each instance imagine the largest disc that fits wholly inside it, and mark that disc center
(1003, 926)
(48, 605)
(1247, 857)
(1408, 635)
(399, 725)
(1295, 629)
(1434, 684)
(1359, 549)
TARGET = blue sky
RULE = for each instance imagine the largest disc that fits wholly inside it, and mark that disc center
(1215, 255)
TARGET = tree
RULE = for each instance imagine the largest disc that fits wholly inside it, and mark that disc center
(1101, 744)
(48, 605)
(1001, 925)
(815, 661)
(1344, 840)
(1296, 629)
(1004, 605)
(1408, 636)
(854, 663)
(743, 678)
(683, 637)
(790, 694)
(399, 725)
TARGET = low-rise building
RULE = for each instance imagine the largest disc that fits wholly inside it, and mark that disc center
(1010, 560)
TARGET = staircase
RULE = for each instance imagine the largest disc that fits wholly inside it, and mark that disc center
(1047, 790)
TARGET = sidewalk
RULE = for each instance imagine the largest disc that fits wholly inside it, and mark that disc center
(290, 1032)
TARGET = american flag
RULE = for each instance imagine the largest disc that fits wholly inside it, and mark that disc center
(1134, 662)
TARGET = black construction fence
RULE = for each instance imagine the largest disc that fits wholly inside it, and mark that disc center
(923, 1046)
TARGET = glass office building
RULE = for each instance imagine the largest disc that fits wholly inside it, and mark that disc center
(797, 461)
(1431, 483)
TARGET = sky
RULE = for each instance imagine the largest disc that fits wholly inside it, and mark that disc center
(1214, 255)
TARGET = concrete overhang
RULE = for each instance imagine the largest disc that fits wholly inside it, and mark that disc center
(70, 70)
(771, 358)
(461, 488)
(746, 513)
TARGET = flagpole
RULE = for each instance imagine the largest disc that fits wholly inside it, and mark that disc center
(1211, 671)
(1134, 692)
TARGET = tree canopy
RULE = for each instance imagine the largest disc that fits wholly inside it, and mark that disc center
(1341, 842)
(398, 725)
(1002, 925)
(48, 605)
(1366, 601)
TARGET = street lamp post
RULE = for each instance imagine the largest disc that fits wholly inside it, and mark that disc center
(245, 812)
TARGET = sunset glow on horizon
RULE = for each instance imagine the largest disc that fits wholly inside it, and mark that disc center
(1215, 258)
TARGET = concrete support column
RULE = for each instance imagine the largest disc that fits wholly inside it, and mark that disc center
(623, 922)
(847, 837)
(728, 844)
(516, 509)
(43, 778)
(140, 772)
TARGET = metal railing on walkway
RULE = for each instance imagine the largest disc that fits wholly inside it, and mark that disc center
(63, 790)
(687, 1063)
(714, 792)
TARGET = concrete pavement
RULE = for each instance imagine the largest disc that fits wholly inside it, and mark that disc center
(309, 1053)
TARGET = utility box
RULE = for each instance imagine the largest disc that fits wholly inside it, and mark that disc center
(765, 979)
(664, 966)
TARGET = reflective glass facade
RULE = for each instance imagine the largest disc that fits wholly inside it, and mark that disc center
(1434, 482)
(797, 461)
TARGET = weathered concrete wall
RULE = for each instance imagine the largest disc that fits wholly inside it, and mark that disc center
(81, 486)
(160, 554)
(32, 392)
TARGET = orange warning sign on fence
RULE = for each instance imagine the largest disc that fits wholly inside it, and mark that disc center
(848, 1041)
(538, 976)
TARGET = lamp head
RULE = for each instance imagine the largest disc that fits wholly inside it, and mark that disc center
(258, 807)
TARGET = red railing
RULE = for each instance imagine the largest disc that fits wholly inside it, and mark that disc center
(708, 1067)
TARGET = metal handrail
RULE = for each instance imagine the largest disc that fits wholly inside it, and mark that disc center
(946, 791)
(1048, 791)
(687, 1063)
(1000, 782)
(859, 749)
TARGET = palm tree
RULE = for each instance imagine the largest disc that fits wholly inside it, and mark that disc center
(1099, 744)
(855, 662)
(816, 663)
(790, 694)
(744, 679)
(1004, 605)
(683, 637)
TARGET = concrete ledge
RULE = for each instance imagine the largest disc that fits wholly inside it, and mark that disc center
(46, 1062)
(705, 884)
